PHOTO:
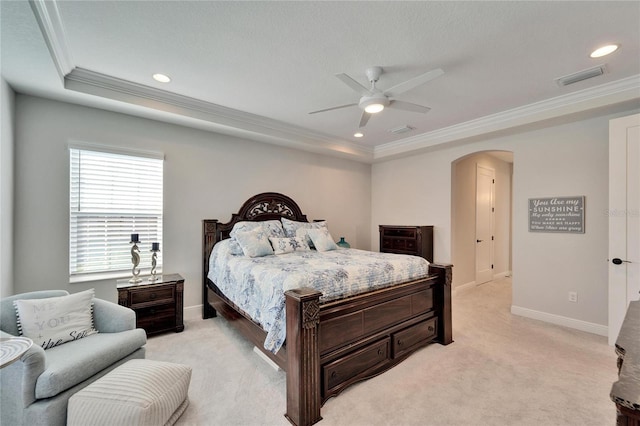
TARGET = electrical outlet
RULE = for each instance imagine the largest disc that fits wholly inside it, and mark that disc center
(573, 296)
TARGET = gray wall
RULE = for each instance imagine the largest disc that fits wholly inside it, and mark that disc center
(7, 108)
(206, 176)
(563, 160)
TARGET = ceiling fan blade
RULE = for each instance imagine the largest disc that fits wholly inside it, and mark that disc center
(413, 82)
(359, 88)
(332, 108)
(408, 106)
(364, 119)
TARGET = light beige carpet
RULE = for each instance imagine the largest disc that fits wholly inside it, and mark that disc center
(501, 370)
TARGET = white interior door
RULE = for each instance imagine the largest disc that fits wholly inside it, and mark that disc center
(624, 218)
(485, 180)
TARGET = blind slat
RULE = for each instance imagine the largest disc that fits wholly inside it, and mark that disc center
(111, 197)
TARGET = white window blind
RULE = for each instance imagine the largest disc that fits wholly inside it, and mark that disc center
(111, 197)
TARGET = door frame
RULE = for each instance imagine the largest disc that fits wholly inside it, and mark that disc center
(618, 209)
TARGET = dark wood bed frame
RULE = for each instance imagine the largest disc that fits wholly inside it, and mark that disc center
(332, 345)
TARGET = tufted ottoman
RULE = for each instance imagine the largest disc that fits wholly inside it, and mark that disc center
(139, 392)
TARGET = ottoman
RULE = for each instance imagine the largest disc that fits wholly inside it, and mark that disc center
(139, 392)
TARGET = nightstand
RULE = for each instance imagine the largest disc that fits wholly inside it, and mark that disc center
(415, 240)
(158, 304)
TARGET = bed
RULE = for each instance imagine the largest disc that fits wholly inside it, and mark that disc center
(333, 344)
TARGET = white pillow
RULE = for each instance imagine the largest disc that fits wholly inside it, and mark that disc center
(271, 228)
(56, 320)
(289, 244)
(322, 239)
(254, 243)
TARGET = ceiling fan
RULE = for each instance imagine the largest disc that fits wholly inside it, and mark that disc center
(374, 100)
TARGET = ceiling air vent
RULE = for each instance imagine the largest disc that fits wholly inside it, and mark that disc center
(580, 75)
(402, 129)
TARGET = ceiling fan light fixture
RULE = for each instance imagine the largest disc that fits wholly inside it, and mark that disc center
(358, 134)
(373, 104)
(374, 108)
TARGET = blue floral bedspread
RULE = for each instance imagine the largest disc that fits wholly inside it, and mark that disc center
(257, 285)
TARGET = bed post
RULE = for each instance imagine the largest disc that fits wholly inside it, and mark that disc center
(209, 239)
(443, 300)
(303, 356)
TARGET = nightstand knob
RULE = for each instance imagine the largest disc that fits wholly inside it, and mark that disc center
(152, 296)
(431, 329)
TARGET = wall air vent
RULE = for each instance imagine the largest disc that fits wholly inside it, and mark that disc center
(402, 129)
(580, 75)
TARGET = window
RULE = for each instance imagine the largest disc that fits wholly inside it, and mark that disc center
(111, 197)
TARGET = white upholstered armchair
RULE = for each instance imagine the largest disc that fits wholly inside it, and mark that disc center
(35, 389)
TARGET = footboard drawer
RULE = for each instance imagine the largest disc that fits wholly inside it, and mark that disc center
(409, 338)
(354, 366)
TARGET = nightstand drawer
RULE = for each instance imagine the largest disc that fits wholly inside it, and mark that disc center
(154, 325)
(156, 311)
(399, 244)
(152, 296)
(399, 232)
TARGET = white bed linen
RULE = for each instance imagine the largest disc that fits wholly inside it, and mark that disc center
(257, 285)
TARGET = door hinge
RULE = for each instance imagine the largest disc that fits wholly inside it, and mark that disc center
(493, 209)
(491, 266)
(492, 238)
(493, 181)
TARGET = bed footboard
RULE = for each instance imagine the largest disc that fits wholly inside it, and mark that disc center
(303, 356)
(331, 346)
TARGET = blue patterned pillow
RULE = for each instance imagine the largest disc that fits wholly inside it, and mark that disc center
(271, 228)
(299, 229)
(289, 244)
(254, 243)
(291, 226)
(322, 239)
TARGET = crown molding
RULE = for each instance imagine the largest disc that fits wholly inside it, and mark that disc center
(185, 110)
(50, 23)
(618, 91)
(218, 118)
(222, 118)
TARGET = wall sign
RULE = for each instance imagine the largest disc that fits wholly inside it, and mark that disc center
(557, 214)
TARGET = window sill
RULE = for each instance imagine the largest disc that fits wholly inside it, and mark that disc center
(104, 276)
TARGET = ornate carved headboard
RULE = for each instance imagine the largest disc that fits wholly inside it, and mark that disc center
(261, 207)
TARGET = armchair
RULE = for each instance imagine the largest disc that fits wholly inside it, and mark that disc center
(35, 389)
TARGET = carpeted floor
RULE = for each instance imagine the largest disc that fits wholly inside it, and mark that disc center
(501, 370)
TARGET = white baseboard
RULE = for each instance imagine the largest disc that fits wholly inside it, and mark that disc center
(501, 275)
(589, 327)
(192, 312)
(462, 287)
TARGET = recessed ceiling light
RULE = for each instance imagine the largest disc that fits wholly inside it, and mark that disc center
(161, 78)
(358, 135)
(604, 50)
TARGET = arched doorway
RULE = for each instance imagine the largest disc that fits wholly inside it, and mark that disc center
(481, 205)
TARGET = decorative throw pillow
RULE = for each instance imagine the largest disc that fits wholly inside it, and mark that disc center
(254, 243)
(322, 239)
(271, 228)
(299, 229)
(56, 320)
(289, 244)
(291, 226)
